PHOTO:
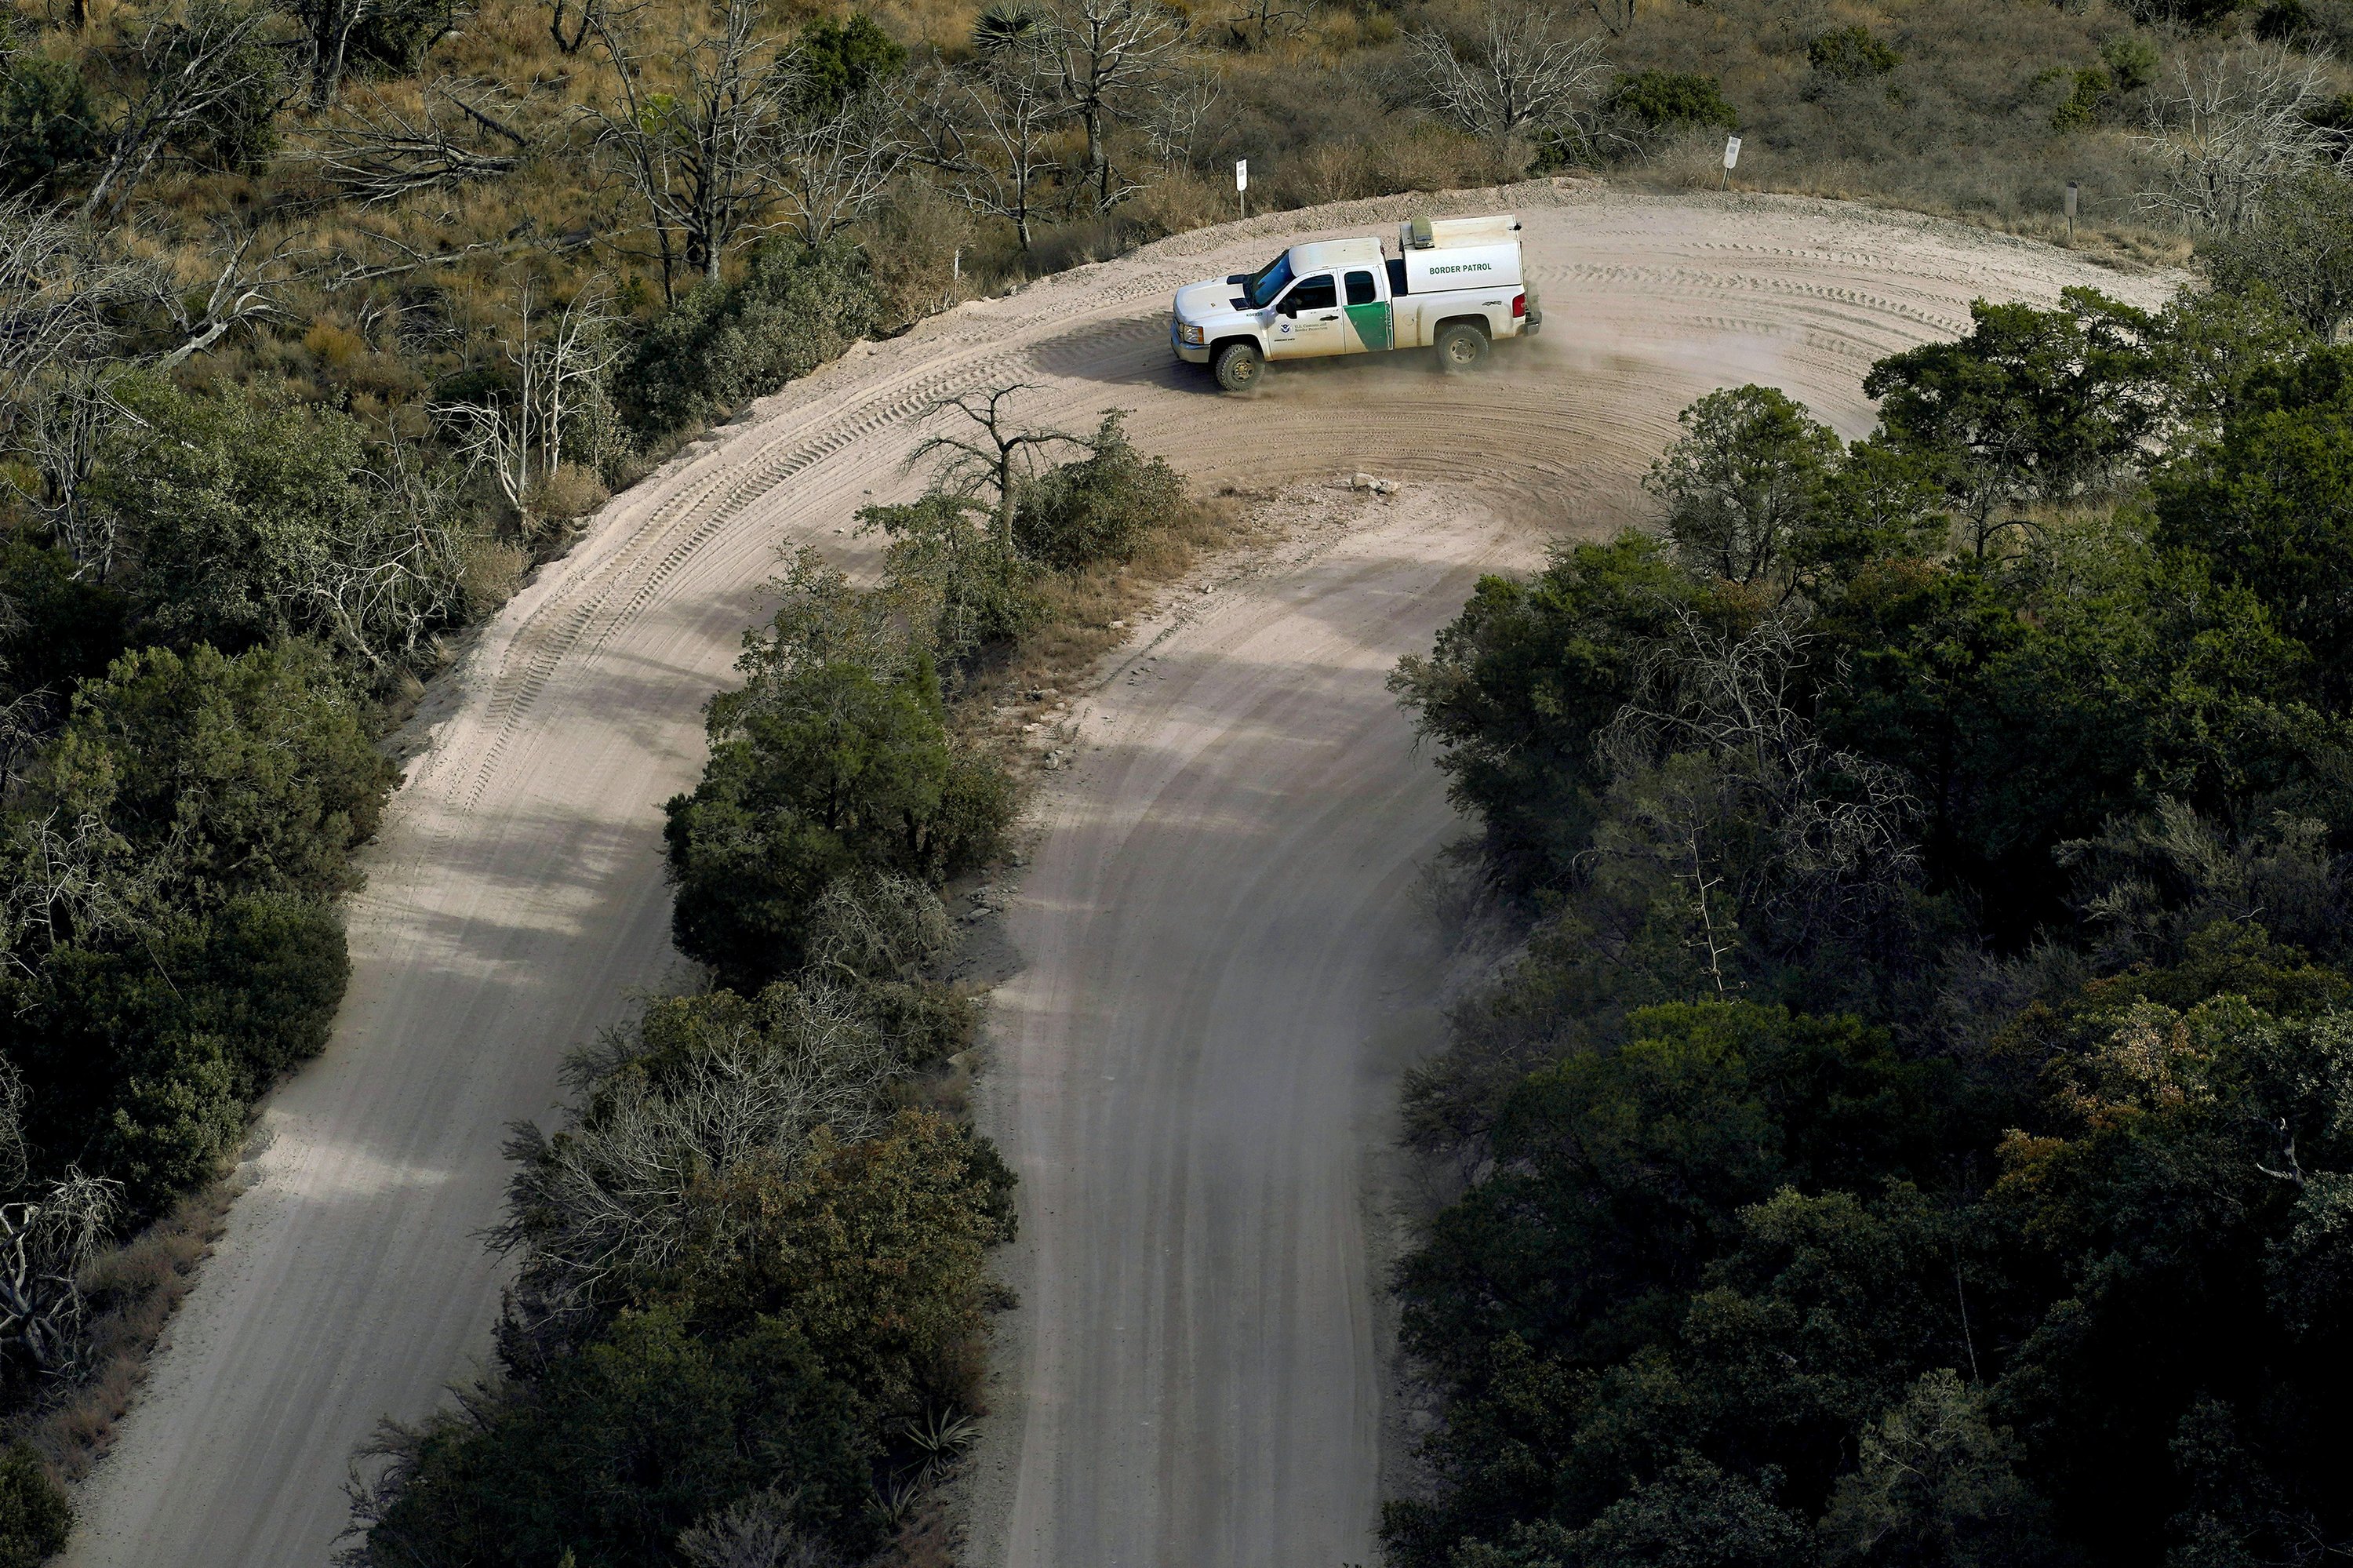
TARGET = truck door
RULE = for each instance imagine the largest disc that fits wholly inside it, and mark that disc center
(1367, 313)
(1307, 321)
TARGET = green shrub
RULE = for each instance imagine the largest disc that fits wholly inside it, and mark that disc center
(1851, 53)
(1661, 100)
(239, 135)
(2265, 505)
(255, 774)
(797, 307)
(1096, 508)
(617, 1447)
(228, 795)
(395, 37)
(2084, 99)
(841, 60)
(46, 123)
(2196, 16)
(2332, 113)
(2299, 251)
(840, 1316)
(253, 517)
(943, 560)
(35, 1516)
(65, 626)
(131, 1083)
(2131, 59)
(825, 769)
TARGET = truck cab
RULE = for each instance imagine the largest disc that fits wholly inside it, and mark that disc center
(1456, 285)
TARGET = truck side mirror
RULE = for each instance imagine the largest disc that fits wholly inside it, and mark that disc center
(1289, 306)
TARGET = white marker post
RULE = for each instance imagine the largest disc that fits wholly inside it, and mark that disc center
(1731, 156)
(2071, 211)
(1242, 184)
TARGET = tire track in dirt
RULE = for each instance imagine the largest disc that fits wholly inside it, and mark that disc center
(1214, 919)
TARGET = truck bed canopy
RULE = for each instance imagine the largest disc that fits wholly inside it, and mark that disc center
(1439, 233)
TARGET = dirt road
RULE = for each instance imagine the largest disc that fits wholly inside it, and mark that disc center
(1195, 1064)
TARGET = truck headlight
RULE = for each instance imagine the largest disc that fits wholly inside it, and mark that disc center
(1186, 332)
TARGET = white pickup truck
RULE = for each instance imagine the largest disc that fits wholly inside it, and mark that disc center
(1456, 285)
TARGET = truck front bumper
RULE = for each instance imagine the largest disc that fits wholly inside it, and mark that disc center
(1191, 354)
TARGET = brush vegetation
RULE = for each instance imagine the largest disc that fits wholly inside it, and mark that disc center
(1915, 1126)
(321, 323)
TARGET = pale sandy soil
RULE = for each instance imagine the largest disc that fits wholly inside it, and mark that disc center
(1194, 1072)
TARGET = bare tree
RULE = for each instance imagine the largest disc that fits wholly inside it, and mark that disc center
(1257, 23)
(1179, 112)
(989, 131)
(1522, 77)
(246, 289)
(71, 293)
(876, 924)
(569, 23)
(1108, 55)
(828, 172)
(627, 1188)
(328, 28)
(329, 24)
(1713, 738)
(699, 155)
(455, 140)
(556, 362)
(26, 721)
(2300, 247)
(189, 68)
(385, 578)
(989, 454)
(66, 875)
(755, 1532)
(2232, 124)
(61, 289)
(46, 1239)
(65, 295)
(1616, 15)
(46, 1242)
(61, 431)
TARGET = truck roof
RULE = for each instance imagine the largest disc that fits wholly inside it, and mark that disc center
(1441, 233)
(1323, 253)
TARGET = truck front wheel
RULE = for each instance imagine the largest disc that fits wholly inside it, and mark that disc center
(1239, 367)
(1460, 346)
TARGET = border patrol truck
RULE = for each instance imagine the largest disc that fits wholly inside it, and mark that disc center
(1455, 285)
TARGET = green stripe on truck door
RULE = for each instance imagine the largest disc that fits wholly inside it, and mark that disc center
(1372, 324)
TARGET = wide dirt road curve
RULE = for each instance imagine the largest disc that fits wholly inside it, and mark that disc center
(1189, 1075)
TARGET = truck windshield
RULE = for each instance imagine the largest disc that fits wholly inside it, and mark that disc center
(1261, 286)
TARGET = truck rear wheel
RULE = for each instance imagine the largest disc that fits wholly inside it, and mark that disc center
(1460, 346)
(1239, 367)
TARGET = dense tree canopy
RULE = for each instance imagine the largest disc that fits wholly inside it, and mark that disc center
(834, 756)
(1917, 1128)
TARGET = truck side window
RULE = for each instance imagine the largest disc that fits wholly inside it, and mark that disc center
(1360, 289)
(1313, 294)
(1396, 278)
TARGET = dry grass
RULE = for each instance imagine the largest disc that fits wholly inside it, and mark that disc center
(1963, 126)
(930, 1539)
(134, 1291)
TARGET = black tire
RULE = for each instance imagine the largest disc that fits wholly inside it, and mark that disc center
(1240, 366)
(1460, 346)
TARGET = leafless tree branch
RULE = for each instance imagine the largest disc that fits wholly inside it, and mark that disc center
(1522, 77)
(2232, 124)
